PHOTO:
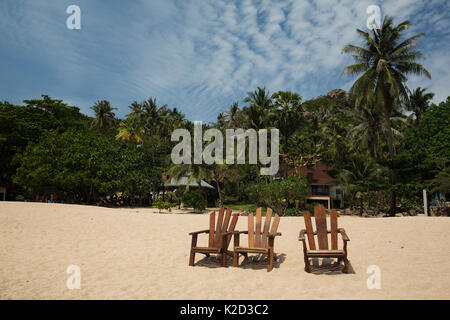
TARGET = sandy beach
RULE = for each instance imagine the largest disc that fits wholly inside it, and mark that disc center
(141, 254)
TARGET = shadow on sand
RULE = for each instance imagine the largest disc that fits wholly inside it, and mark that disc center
(255, 261)
(328, 266)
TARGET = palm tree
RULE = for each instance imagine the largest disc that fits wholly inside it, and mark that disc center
(176, 119)
(221, 122)
(260, 110)
(384, 61)
(360, 169)
(419, 101)
(370, 129)
(104, 115)
(259, 113)
(231, 115)
(129, 132)
(288, 113)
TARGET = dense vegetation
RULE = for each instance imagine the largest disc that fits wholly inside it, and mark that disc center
(383, 143)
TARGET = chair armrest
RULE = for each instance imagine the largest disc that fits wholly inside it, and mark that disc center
(235, 232)
(198, 232)
(273, 235)
(301, 236)
(344, 235)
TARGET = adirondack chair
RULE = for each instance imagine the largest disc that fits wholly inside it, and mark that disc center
(322, 232)
(219, 239)
(258, 241)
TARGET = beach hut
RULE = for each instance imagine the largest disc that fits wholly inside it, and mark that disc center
(173, 184)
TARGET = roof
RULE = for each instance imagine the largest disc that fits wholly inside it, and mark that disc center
(316, 175)
(182, 182)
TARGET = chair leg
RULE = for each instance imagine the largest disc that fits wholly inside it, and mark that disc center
(270, 262)
(307, 268)
(345, 269)
(235, 259)
(224, 259)
(192, 258)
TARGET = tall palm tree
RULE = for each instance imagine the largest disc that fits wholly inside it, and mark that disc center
(288, 113)
(259, 114)
(104, 115)
(384, 62)
(419, 101)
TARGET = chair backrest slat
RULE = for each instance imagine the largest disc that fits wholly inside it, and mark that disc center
(275, 223)
(232, 226)
(256, 238)
(258, 227)
(251, 234)
(320, 216)
(217, 237)
(334, 230)
(309, 230)
(212, 221)
(266, 227)
(226, 221)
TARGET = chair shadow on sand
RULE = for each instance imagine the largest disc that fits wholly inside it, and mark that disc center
(253, 261)
(328, 266)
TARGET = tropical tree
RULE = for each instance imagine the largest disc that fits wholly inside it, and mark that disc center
(260, 110)
(419, 101)
(104, 115)
(130, 132)
(288, 113)
(231, 116)
(355, 179)
(370, 130)
(384, 61)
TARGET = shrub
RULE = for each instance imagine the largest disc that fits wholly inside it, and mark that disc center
(20, 198)
(310, 207)
(195, 200)
(293, 212)
(163, 205)
(279, 195)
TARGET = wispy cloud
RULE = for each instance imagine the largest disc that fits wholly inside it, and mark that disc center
(197, 56)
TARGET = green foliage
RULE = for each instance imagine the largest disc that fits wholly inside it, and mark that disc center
(293, 212)
(86, 164)
(23, 125)
(194, 199)
(163, 205)
(427, 144)
(279, 195)
(310, 207)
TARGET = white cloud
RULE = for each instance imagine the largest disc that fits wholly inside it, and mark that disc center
(201, 56)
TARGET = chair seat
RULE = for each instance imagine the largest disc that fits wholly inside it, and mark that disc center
(251, 250)
(206, 249)
(325, 253)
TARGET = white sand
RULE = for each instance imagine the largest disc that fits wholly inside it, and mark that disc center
(140, 254)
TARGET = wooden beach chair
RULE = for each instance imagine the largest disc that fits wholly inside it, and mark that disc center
(219, 238)
(259, 241)
(323, 251)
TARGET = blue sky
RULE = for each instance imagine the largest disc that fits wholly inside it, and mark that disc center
(199, 55)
